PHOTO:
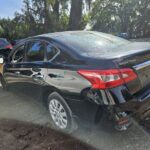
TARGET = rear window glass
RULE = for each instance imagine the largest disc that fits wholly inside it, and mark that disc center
(89, 43)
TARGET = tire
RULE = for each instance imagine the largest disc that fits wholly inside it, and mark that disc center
(58, 109)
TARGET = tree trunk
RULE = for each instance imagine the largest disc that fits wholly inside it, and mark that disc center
(75, 15)
(56, 9)
(47, 20)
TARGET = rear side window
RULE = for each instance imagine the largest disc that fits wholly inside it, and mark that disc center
(51, 51)
(63, 58)
(35, 51)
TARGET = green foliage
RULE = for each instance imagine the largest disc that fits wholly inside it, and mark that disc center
(113, 16)
(131, 16)
(85, 20)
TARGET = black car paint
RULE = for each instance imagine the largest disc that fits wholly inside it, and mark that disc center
(63, 78)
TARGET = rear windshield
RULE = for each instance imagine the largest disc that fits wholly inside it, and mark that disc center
(3, 43)
(93, 43)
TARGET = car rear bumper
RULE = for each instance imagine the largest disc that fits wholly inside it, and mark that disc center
(140, 108)
(121, 95)
(139, 104)
(118, 98)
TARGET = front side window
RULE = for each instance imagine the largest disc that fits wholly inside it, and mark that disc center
(35, 51)
(18, 54)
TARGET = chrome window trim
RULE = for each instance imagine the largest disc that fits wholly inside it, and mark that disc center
(58, 51)
(141, 66)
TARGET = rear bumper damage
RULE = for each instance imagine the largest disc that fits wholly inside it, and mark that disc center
(122, 110)
(140, 109)
(138, 104)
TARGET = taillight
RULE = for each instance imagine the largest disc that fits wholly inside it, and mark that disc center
(104, 79)
(9, 46)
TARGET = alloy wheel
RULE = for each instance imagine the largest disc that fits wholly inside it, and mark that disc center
(58, 114)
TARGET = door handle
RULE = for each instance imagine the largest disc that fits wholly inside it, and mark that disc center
(51, 75)
(38, 76)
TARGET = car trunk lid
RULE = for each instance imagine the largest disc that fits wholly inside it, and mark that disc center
(136, 57)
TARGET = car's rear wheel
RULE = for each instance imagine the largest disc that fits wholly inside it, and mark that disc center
(60, 114)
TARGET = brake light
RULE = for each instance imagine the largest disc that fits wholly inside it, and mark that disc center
(9, 46)
(104, 79)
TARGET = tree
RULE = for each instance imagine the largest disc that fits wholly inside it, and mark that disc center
(75, 14)
(131, 16)
(112, 16)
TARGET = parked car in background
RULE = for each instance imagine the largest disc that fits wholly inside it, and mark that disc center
(82, 73)
(5, 47)
(123, 35)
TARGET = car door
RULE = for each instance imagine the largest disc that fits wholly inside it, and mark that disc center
(34, 67)
(29, 72)
(59, 75)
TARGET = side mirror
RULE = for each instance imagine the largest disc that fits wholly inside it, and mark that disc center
(1, 60)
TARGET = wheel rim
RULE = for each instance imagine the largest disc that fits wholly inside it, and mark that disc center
(58, 114)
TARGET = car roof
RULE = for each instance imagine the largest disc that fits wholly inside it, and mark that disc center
(58, 35)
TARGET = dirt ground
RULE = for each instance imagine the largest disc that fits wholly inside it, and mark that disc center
(15, 135)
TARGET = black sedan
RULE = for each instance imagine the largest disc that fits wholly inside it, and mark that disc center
(82, 73)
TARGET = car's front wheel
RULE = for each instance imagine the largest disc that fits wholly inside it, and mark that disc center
(60, 114)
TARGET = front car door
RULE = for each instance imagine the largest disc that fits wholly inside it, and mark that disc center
(27, 71)
(34, 66)
(12, 69)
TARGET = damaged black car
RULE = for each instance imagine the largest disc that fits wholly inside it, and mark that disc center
(82, 74)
